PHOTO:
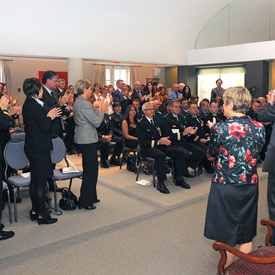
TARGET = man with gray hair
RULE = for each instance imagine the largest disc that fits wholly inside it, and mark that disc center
(61, 87)
(137, 92)
(181, 87)
(154, 145)
(174, 95)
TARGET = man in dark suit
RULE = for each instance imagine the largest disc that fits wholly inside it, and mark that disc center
(154, 145)
(116, 128)
(137, 92)
(52, 99)
(173, 126)
(4, 124)
(204, 107)
(200, 138)
(136, 104)
(267, 114)
(61, 87)
(213, 113)
(217, 93)
(119, 96)
(254, 109)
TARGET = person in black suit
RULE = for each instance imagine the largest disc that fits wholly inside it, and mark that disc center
(200, 138)
(172, 126)
(105, 134)
(136, 104)
(4, 124)
(38, 145)
(267, 114)
(153, 145)
(61, 87)
(138, 93)
(52, 99)
(119, 96)
(116, 123)
(213, 113)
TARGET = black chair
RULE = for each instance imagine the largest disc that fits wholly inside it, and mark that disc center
(152, 162)
(16, 158)
(57, 155)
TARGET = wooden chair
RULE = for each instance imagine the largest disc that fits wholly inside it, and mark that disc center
(259, 261)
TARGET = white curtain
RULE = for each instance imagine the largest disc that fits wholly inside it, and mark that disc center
(99, 74)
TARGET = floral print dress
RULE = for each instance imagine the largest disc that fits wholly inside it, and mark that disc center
(231, 215)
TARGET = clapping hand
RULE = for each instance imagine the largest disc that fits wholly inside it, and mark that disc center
(165, 141)
(210, 124)
(55, 112)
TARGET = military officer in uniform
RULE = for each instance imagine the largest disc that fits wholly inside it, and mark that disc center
(116, 122)
(153, 145)
(213, 113)
(200, 138)
(173, 126)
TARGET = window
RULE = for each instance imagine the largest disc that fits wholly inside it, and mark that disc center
(112, 74)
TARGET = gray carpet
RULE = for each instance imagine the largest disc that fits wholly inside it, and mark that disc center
(134, 230)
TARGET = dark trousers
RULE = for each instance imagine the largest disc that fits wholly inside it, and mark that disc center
(88, 194)
(41, 170)
(205, 161)
(159, 154)
(198, 154)
(271, 201)
(117, 150)
(104, 150)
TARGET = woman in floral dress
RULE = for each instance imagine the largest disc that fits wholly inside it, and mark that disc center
(235, 145)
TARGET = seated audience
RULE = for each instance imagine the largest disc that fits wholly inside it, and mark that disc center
(153, 145)
(175, 93)
(213, 113)
(204, 107)
(136, 104)
(184, 107)
(149, 91)
(186, 92)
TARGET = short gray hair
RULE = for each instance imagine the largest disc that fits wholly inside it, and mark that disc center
(81, 84)
(144, 106)
(240, 97)
(61, 80)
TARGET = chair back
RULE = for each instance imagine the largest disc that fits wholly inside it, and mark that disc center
(59, 150)
(15, 156)
(18, 136)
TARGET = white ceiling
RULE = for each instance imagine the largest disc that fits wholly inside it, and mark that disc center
(144, 31)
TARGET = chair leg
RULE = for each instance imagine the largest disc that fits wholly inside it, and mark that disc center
(123, 155)
(55, 199)
(15, 206)
(173, 171)
(139, 169)
(135, 158)
(9, 204)
(71, 180)
(153, 173)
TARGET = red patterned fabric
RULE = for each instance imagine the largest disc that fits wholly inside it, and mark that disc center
(242, 267)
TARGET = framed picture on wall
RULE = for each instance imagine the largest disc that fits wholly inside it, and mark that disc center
(153, 80)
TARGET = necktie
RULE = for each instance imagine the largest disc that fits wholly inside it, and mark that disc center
(177, 95)
(152, 122)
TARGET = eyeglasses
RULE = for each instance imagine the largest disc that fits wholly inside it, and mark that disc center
(149, 109)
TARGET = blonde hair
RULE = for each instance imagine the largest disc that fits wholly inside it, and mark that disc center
(81, 84)
(240, 97)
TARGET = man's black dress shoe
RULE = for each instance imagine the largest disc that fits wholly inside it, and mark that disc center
(189, 176)
(104, 165)
(162, 188)
(33, 216)
(167, 171)
(49, 220)
(4, 235)
(1, 226)
(97, 201)
(114, 161)
(182, 183)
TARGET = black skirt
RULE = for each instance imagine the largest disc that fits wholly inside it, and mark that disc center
(231, 215)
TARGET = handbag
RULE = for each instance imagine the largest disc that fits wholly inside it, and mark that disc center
(131, 164)
(68, 201)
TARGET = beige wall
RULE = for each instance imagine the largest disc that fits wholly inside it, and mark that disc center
(273, 76)
(171, 76)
